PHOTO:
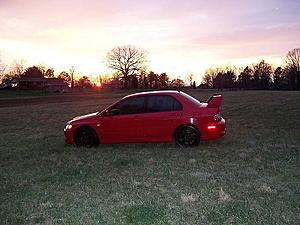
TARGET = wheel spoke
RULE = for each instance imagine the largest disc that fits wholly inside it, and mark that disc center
(86, 138)
(187, 137)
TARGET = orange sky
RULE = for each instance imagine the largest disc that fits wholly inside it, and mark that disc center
(180, 36)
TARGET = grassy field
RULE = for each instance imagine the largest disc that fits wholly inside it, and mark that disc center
(251, 176)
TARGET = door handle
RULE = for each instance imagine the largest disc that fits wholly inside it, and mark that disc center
(174, 114)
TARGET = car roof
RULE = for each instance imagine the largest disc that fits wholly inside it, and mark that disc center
(164, 92)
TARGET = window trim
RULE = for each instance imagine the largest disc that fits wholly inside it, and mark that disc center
(146, 100)
(175, 99)
(129, 98)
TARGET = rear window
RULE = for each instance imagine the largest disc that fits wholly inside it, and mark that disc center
(191, 99)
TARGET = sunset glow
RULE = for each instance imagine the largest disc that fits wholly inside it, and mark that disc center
(180, 36)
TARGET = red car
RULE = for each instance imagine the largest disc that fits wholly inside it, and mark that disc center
(155, 116)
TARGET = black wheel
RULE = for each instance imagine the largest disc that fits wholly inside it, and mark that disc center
(187, 136)
(86, 136)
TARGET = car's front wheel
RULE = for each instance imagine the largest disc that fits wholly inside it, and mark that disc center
(85, 136)
(187, 136)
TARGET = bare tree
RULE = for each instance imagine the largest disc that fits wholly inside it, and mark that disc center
(71, 72)
(292, 67)
(17, 69)
(207, 80)
(189, 78)
(210, 75)
(127, 61)
(2, 70)
(103, 79)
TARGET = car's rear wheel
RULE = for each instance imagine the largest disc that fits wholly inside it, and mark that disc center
(86, 136)
(187, 136)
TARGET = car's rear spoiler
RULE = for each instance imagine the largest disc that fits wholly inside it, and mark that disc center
(214, 101)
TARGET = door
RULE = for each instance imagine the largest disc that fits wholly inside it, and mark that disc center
(161, 119)
(124, 122)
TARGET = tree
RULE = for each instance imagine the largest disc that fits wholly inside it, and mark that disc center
(84, 82)
(163, 80)
(64, 75)
(2, 70)
(42, 68)
(194, 85)
(229, 77)
(222, 77)
(143, 80)
(207, 80)
(72, 71)
(127, 61)
(177, 83)
(292, 67)
(49, 73)
(277, 78)
(244, 79)
(33, 71)
(218, 81)
(134, 82)
(153, 80)
(189, 79)
(103, 79)
(210, 76)
(16, 69)
(262, 75)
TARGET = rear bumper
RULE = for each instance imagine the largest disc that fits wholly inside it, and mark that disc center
(213, 130)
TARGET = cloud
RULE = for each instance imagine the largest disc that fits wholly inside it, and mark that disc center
(194, 32)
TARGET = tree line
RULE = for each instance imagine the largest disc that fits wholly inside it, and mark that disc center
(17, 70)
(129, 64)
(259, 76)
(129, 67)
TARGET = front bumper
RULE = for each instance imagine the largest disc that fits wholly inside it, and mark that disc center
(68, 136)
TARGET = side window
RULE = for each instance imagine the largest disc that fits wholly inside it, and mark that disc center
(163, 104)
(131, 106)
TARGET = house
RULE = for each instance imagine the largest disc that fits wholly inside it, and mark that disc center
(56, 85)
(41, 83)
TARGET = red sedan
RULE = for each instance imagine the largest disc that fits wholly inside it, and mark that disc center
(155, 116)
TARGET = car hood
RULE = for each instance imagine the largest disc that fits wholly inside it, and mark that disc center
(87, 116)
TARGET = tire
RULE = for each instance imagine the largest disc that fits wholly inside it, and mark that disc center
(187, 136)
(86, 137)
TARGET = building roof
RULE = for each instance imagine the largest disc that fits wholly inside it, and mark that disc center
(48, 81)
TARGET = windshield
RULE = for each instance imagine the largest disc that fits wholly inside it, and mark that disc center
(190, 99)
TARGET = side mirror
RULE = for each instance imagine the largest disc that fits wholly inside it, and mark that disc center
(114, 112)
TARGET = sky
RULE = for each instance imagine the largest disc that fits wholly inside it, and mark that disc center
(180, 36)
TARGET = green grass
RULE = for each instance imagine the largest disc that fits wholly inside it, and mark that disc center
(21, 93)
(251, 176)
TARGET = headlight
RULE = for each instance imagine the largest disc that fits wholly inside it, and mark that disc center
(217, 117)
(68, 127)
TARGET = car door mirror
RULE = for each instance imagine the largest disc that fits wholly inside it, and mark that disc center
(114, 112)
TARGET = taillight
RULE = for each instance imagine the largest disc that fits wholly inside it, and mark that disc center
(217, 117)
(212, 127)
